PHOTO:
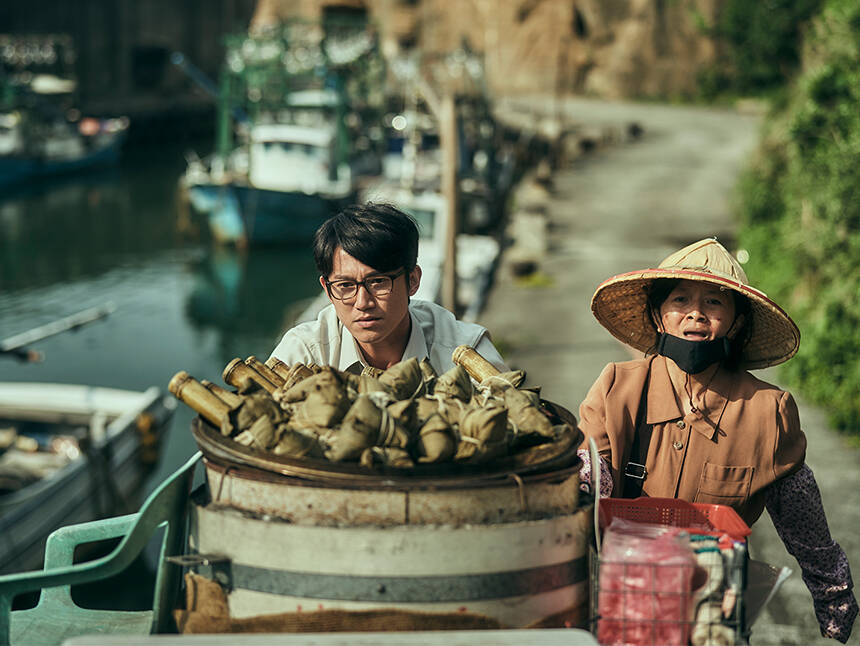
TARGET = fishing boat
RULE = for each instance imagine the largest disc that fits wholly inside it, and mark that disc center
(292, 185)
(42, 133)
(29, 151)
(71, 453)
(296, 130)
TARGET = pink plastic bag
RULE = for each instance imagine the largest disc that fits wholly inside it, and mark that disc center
(646, 574)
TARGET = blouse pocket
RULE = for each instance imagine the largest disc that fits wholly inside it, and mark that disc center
(723, 485)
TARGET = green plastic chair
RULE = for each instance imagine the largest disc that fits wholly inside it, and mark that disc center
(57, 617)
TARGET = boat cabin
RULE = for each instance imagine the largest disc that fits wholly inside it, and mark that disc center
(296, 158)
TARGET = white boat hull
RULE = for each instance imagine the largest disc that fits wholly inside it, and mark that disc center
(104, 480)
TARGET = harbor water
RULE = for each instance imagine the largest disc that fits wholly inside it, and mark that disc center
(181, 304)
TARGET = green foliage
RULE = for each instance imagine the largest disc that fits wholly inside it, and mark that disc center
(759, 42)
(800, 208)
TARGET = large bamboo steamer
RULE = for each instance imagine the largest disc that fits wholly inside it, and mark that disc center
(518, 573)
(508, 544)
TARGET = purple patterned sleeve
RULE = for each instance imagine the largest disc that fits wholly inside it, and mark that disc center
(794, 504)
(585, 474)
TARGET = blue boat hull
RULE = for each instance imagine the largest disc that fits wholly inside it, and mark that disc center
(14, 170)
(243, 214)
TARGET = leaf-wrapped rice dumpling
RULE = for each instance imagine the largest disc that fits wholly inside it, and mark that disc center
(297, 373)
(324, 407)
(483, 434)
(358, 431)
(298, 444)
(451, 409)
(403, 413)
(495, 385)
(255, 405)
(424, 408)
(325, 379)
(261, 435)
(362, 384)
(388, 456)
(428, 375)
(525, 415)
(454, 383)
(436, 441)
(403, 379)
(370, 371)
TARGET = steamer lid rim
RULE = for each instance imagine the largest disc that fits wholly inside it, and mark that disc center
(322, 473)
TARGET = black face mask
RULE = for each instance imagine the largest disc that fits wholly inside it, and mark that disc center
(692, 356)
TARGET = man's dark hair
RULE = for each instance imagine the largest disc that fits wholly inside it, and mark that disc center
(379, 235)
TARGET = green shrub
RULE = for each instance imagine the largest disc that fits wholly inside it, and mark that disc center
(759, 43)
(800, 211)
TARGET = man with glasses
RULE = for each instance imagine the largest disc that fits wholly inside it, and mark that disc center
(367, 256)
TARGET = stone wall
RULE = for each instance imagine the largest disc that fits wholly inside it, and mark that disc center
(607, 48)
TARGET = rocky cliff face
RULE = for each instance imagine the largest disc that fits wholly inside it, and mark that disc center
(607, 48)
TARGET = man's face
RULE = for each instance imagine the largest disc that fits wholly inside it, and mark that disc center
(373, 320)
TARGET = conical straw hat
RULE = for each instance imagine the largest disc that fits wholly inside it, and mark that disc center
(620, 303)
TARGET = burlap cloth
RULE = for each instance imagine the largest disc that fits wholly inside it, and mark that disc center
(207, 611)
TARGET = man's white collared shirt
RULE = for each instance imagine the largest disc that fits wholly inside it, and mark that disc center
(435, 333)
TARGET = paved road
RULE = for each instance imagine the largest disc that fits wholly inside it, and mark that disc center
(626, 206)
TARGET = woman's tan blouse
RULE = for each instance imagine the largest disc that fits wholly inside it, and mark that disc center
(748, 436)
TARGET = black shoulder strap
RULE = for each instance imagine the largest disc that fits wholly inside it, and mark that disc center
(634, 471)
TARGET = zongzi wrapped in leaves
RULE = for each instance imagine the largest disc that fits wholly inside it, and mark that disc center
(436, 440)
(403, 413)
(326, 378)
(362, 384)
(483, 434)
(388, 456)
(424, 408)
(452, 409)
(358, 431)
(428, 375)
(261, 435)
(298, 444)
(370, 371)
(318, 400)
(254, 405)
(454, 383)
(297, 373)
(403, 379)
(525, 415)
(322, 408)
(495, 385)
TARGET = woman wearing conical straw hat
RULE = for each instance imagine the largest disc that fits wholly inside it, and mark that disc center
(689, 421)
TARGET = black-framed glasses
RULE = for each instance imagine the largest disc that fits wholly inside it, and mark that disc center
(347, 290)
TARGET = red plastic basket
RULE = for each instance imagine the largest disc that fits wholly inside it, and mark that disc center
(693, 516)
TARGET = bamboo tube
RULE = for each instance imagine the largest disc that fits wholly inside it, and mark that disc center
(264, 370)
(195, 395)
(471, 360)
(231, 399)
(281, 368)
(298, 372)
(237, 371)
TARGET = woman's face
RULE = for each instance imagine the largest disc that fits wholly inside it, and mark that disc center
(698, 311)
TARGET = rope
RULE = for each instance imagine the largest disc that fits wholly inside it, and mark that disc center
(223, 478)
(522, 491)
(485, 389)
(387, 429)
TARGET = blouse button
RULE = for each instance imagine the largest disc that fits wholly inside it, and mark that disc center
(677, 445)
(680, 423)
